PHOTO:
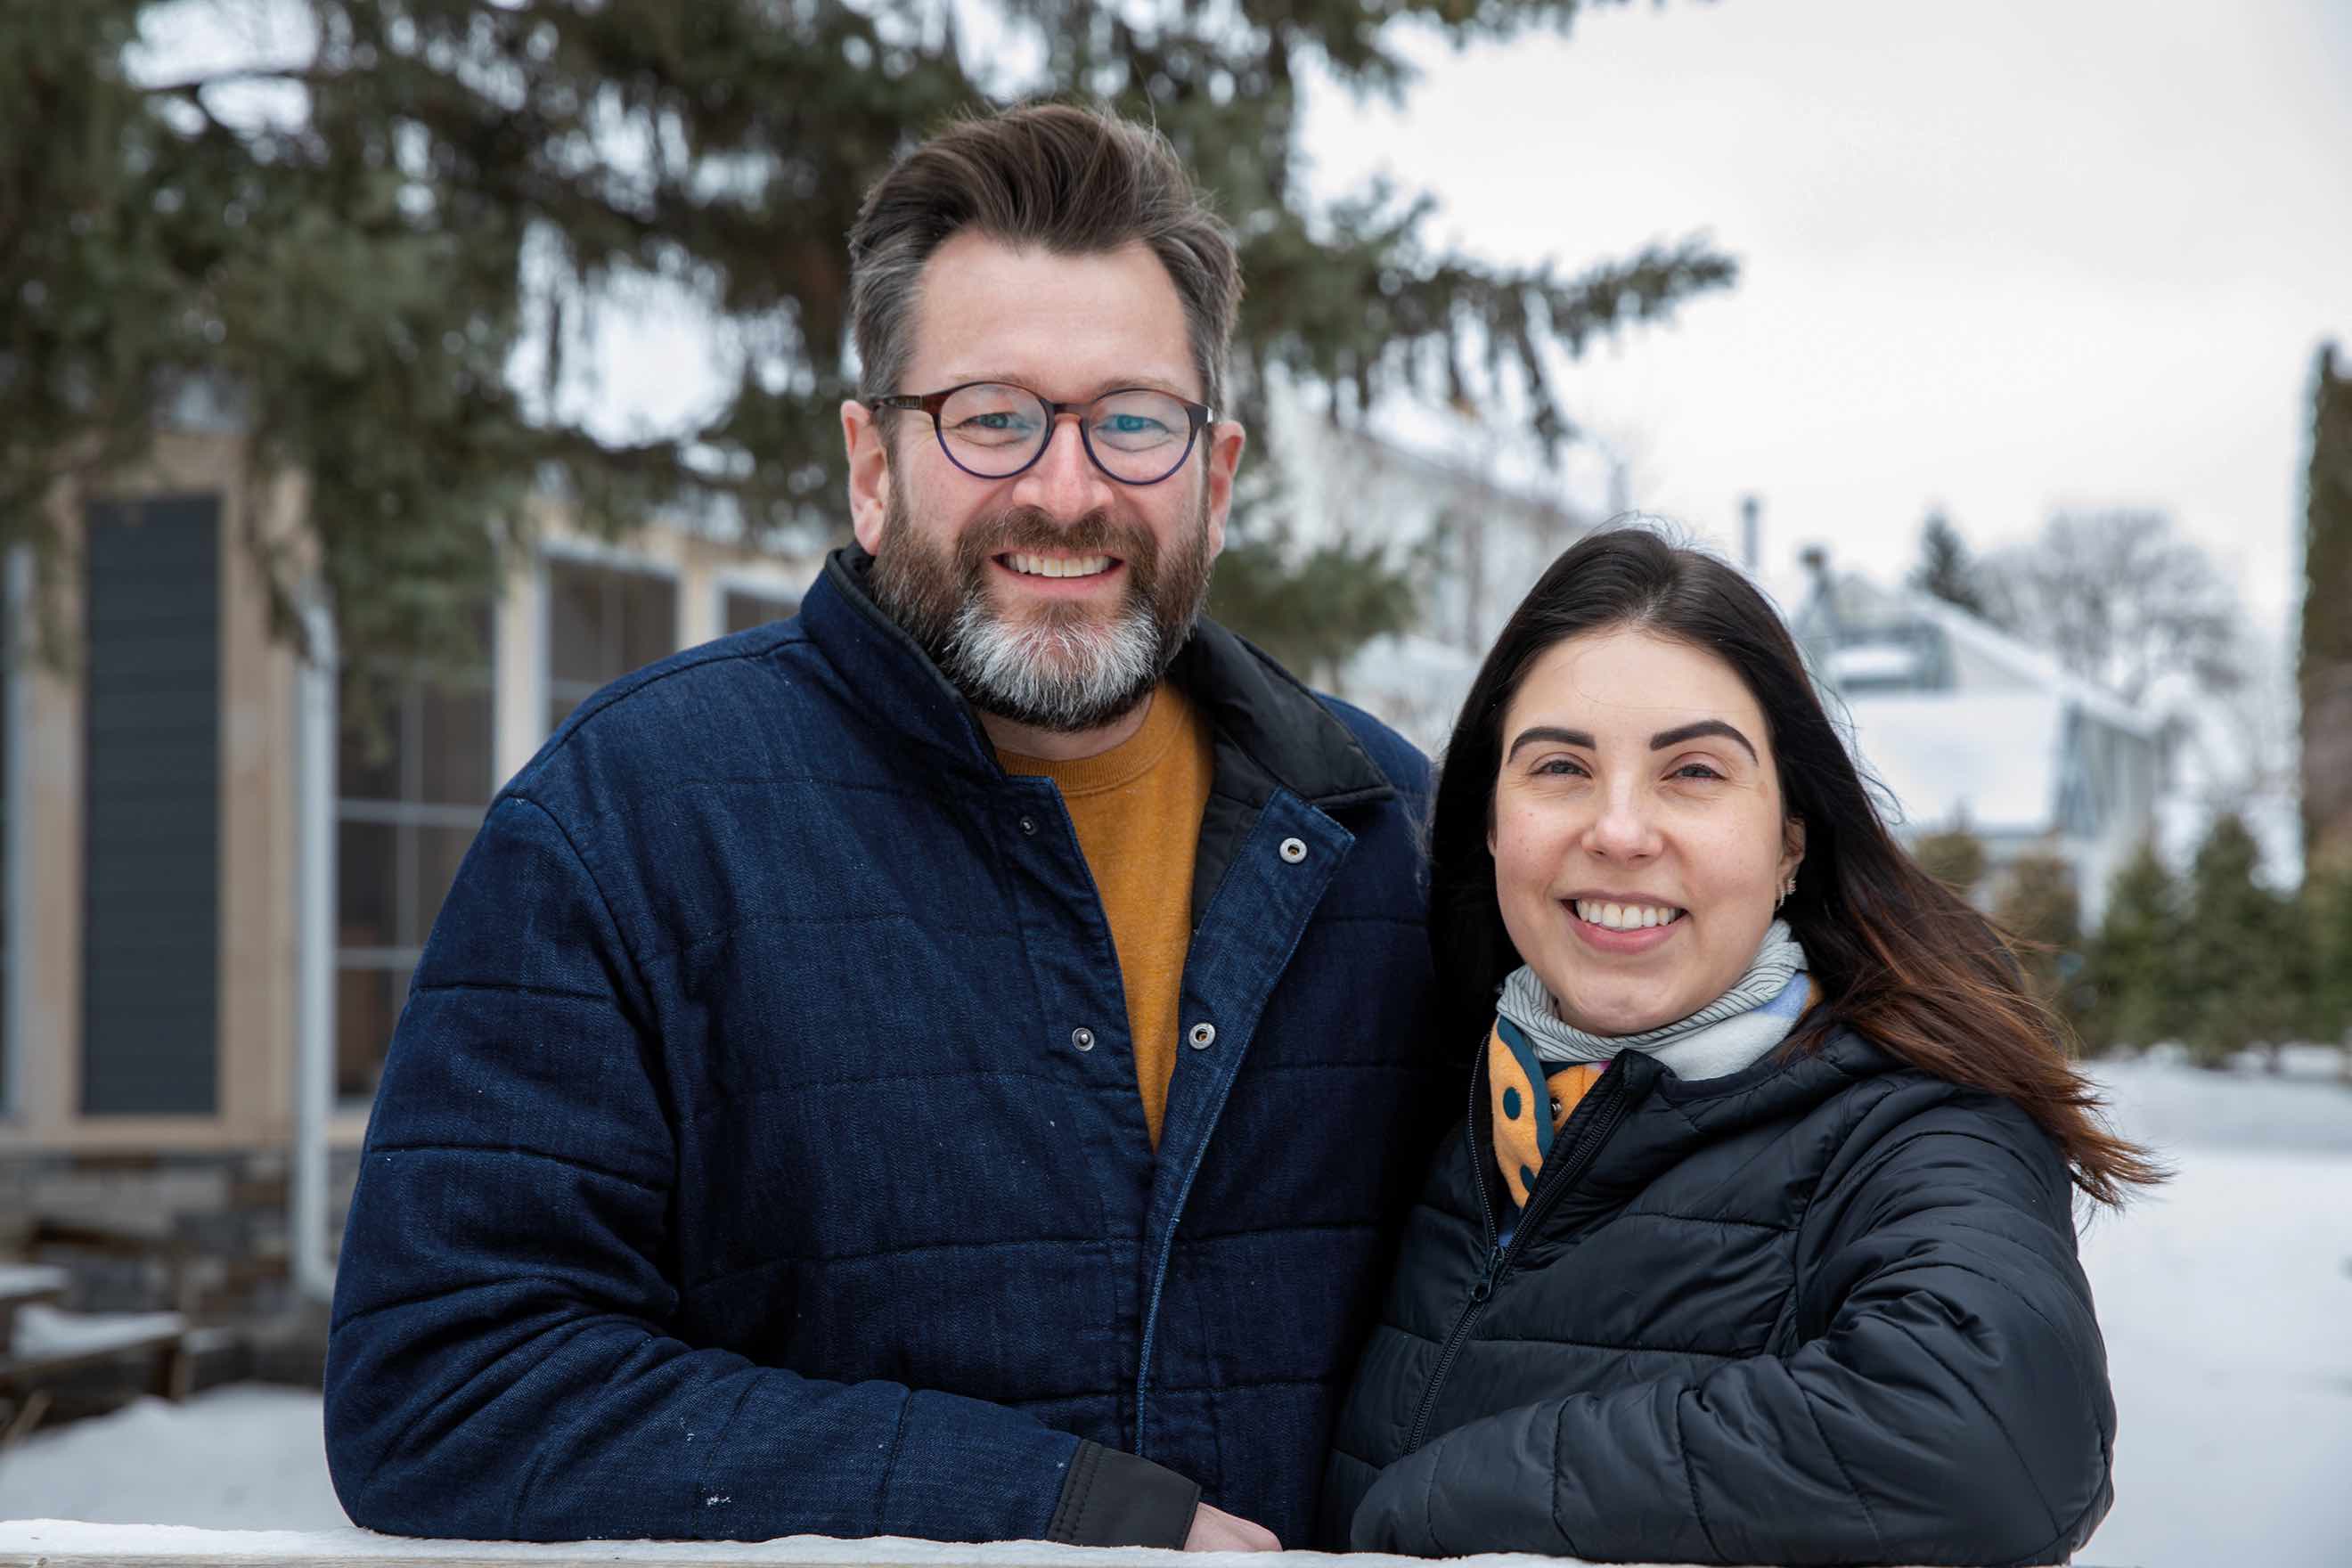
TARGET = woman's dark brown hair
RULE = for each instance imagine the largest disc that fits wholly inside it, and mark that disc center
(1900, 959)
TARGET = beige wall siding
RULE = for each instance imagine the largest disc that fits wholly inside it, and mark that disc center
(259, 935)
(48, 1053)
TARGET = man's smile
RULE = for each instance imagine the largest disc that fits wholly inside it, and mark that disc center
(1059, 575)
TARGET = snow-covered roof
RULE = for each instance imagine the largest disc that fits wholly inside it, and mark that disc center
(1873, 662)
(2027, 662)
(1994, 756)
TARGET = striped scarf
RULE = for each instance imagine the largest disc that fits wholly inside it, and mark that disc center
(1531, 1045)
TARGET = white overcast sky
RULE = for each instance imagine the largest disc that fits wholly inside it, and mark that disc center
(1999, 256)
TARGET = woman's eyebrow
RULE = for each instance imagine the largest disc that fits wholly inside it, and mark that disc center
(1550, 733)
(1681, 732)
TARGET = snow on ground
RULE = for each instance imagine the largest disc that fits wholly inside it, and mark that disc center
(2226, 1298)
(242, 1458)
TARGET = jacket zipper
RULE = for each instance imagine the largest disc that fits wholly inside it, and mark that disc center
(1607, 1108)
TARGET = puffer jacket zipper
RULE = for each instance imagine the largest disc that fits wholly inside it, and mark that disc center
(1606, 1104)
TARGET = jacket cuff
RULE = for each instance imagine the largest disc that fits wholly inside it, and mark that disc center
(1114, 1498)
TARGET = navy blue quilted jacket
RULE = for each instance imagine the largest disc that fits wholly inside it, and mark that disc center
(760, 1149)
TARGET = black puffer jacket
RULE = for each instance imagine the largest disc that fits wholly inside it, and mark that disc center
(1825, 1312)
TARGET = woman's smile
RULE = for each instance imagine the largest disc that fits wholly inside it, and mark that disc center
(1623, 926)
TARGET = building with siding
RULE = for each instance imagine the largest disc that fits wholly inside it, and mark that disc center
(152, 935)
(1964, 725)
(1474, 536)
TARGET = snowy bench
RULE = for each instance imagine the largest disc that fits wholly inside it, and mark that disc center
(26, 1285)
(56, 1543)
(46, 1345)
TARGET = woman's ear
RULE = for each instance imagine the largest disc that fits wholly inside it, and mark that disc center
(1792, 847)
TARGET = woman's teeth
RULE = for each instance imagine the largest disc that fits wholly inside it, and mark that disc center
(1625, 917)
(1058, 566)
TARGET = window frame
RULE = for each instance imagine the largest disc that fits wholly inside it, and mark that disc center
(406, 814)
(572, 553)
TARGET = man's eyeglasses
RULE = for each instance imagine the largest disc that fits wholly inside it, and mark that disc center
(992, 430)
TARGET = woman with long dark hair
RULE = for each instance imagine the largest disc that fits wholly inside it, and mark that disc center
(1757, 1242)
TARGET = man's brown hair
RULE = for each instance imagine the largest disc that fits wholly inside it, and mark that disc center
(1073, 181)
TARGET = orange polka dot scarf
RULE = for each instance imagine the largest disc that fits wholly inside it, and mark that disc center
(1529, 1105)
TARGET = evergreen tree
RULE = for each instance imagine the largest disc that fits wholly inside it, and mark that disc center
(1954, 857)
(1357, 596)
(2130, 989)
(2040, 911)
(2236, 964)
(2325, 668)
(1946, 569)
(352, 239)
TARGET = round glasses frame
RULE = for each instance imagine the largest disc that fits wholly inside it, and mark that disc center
(1198, 415)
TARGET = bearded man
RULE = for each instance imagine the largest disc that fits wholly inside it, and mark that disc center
(951, 1064)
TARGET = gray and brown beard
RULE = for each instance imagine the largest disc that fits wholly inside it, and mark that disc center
(1060, 668)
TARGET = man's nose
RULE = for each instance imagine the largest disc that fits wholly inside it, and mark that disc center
(1063, 481)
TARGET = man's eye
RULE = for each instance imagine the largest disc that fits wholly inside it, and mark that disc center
(1131, 425)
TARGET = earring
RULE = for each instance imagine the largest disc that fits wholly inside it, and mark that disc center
(1788, 890)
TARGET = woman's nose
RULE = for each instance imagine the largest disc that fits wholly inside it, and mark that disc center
(1624, 830)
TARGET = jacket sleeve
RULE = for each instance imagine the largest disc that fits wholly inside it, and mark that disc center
(499, 1361)
(1953, 1406)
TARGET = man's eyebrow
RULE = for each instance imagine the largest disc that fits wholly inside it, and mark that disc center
(1681, 732)
(1550, 733)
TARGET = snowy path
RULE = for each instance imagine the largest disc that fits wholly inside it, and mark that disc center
(2226, 1300)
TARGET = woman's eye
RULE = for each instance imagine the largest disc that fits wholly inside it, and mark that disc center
(1695, 771)
(1559, 767)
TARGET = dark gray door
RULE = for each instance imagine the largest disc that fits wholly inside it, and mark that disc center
(151, 910)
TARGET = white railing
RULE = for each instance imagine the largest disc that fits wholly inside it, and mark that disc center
(59, 1544)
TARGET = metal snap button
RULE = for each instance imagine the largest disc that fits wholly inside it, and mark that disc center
(1083, 1038)
(1294, 850)
(1028, 825)
(1203, 1035)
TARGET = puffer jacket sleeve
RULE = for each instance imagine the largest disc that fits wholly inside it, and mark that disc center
(1948, 1401)
(497, 1365)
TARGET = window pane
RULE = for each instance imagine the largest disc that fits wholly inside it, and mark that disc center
(439, 851)
(745, 611)
(601, 622)
(648, 629)
(367, 743)
(367, 1005)
(366, 884)
(575, 622)
(457, 739)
